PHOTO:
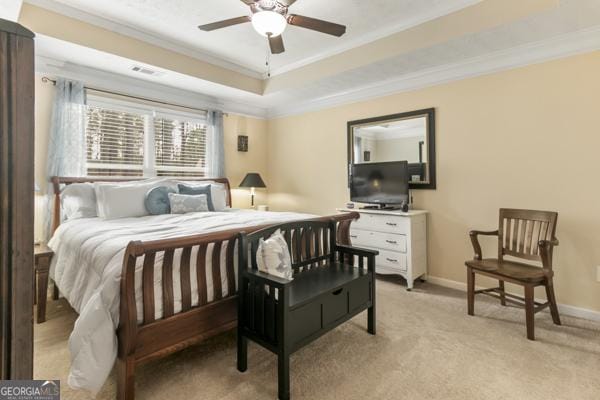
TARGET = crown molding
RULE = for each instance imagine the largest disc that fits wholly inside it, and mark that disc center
(579, 42)
(444, 8)
(143, 35)
(138, 87)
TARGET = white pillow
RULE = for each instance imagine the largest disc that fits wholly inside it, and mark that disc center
(218, 193)
(124, 200)
(78, 200)
(273, 256)
(188, 203)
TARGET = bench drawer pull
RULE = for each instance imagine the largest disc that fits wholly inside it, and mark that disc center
(335, 293)
(392, 241)
(391, 223)
(392, 260)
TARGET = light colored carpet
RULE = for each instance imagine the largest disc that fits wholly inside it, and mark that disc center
(426, 348)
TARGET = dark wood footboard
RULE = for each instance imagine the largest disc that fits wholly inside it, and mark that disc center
(154, 338)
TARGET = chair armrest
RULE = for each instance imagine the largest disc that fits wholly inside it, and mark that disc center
(545, 249)
(360, 252)
(357, 251)
(475, 241)
(268, 279)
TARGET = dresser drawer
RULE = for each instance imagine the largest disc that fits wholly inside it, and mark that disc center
(383, 223)
(378, 240)
(392, 259)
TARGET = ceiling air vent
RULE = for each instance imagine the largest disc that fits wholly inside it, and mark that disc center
(146, 71)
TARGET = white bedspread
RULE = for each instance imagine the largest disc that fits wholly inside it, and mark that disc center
(87, 269)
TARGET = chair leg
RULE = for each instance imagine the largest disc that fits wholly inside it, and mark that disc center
(529, 312)
(502, 295)
(372, 316)
(283, 374)
(242, 353)
(552, 300)
(470, 291)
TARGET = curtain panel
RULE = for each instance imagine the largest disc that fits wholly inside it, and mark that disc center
(216, 145)
(66, 143)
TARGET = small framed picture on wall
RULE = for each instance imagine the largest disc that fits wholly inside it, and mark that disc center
(242, 143)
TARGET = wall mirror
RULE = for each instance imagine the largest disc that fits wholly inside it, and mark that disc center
(407, 136)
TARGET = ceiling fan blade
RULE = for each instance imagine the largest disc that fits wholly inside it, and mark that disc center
(286, 3)
(316, 25)
(248, 2)
(224, 24)
(276, 44)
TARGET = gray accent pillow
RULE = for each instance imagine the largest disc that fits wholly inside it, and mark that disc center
(195, 190)
(157, 200)
(187, 203)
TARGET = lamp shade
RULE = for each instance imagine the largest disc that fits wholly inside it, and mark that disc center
(253, 179)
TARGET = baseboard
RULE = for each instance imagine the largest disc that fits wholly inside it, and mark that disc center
(565, 309)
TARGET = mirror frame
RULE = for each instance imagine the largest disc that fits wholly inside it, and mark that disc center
(429, 113)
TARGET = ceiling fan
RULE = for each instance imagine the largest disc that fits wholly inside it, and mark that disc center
(270, 18)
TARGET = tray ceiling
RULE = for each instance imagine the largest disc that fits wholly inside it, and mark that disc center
(176, 21)
(391, 46)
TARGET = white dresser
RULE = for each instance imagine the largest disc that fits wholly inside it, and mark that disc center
(400, 238)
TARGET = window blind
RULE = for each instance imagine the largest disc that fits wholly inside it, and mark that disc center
(115, 142)
(180, 147)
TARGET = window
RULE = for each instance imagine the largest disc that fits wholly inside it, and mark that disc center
(179, 147)
(130, 139)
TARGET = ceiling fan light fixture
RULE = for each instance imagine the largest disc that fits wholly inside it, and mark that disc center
(269, 23)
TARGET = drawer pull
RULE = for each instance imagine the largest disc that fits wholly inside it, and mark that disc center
(392, 241)
(392, 260)
(353, 236)
(337, 291)
(391, 223)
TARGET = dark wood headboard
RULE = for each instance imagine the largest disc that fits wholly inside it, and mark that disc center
(57, 181)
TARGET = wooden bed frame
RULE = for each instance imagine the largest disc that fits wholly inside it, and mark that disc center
(154, 338)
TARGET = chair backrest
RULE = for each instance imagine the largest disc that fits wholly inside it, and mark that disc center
(519, 232)
(310, 243)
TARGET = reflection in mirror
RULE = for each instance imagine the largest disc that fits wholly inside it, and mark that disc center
(401, 137)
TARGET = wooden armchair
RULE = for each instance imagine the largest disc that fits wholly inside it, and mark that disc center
(525, 234)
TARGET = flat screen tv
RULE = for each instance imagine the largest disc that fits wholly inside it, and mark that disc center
(383, 183)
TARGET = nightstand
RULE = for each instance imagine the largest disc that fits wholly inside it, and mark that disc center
(42, 257)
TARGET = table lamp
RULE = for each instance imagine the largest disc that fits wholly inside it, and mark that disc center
(252, 180)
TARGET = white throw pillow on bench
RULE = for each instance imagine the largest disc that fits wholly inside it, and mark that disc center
(273, 256)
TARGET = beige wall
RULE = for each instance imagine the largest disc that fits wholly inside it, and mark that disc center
(503, 140)
(236, 164)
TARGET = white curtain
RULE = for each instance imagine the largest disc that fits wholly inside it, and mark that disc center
(216, 146)
(66, 143)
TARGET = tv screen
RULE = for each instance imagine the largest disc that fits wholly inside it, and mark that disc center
(380, 183)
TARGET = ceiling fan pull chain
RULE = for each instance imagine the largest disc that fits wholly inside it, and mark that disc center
(268, 62)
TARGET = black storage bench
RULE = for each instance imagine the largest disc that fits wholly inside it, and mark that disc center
(332, 283)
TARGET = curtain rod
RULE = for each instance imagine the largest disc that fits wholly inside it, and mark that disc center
(45, 79)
